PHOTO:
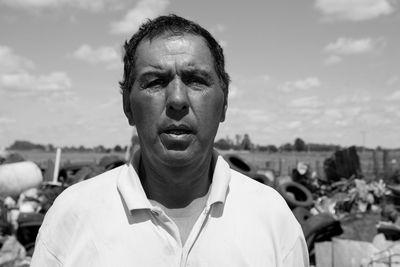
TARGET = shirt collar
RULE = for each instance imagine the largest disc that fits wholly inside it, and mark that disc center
(135, 198)
(220, 180)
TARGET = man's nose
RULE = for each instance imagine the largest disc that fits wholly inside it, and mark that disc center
(177, 96)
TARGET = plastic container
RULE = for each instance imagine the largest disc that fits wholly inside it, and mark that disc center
(17, 177)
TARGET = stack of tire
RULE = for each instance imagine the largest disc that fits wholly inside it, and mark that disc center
(294, 193)
(241, 165)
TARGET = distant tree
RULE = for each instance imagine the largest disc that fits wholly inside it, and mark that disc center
(272, 148)
(323, 147)
(25, 145)
(50, 148)
(246, 143)
(286, 147)
(100, 149)
(117, 148)
(299, 145)
(222, 144)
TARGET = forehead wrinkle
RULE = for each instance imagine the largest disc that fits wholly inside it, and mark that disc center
(186, 63)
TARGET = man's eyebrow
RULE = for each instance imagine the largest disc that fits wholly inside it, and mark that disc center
(197, 71)
(153, 70)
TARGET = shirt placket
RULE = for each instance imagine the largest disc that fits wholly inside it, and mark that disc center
(170, 233)
(182, 252)
(194, 233)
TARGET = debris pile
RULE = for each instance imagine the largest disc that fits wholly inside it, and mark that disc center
(339, 204)
(351, 196)
(27, 191)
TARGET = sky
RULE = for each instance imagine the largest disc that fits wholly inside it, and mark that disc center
(327, 71)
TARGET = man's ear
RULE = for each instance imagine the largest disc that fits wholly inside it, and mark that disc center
(224, 112)
(126, 102)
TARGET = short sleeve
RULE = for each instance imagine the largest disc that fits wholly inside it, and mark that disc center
(298, 255)
(43, 256)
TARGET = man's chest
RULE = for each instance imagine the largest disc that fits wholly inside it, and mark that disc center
(152, 242)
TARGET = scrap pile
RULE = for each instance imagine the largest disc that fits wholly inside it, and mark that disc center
(343, 204)
(367, 210)
(27, 191)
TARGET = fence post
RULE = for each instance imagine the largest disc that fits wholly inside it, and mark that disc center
(280, 166)
(386, 164)
(375, 163)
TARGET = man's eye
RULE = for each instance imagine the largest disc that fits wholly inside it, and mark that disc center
(154, 83)
(196, 81)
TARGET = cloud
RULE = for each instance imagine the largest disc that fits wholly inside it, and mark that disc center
(16, 74)
(90, 5)
(347, 46)
(342, 123)
(305, 84)
(54, 81)
(356, 98)
(217, 29)
(10, 62)
(354, 10)
(393, 110)
(7, 120)
(305, 102)
(266, 78)
(113, 102)
(144, 9)
(332, 59)
(372, 119)
(395, 96)
(333, 113)
(392, 80)
(102, 55)
(234, 92)
(293, 124)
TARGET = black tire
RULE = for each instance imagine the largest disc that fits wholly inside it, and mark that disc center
(239, 164)
(296, 195)
(262, 179)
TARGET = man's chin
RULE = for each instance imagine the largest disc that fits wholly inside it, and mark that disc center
(178, 158)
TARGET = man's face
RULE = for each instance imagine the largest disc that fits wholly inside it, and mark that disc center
(176, 101)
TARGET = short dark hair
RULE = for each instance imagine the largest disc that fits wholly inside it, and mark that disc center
(172, 25)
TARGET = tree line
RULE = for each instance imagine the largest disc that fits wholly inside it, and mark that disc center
(244, 143)
(22, 145)
(238, 142)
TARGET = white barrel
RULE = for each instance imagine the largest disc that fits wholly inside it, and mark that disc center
(18, 177)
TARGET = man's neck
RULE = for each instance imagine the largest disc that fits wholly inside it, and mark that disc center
(176, 188)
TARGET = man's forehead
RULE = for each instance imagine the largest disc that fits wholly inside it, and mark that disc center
(188, 49)
(183, 41)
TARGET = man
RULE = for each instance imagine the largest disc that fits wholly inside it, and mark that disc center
(177, 203)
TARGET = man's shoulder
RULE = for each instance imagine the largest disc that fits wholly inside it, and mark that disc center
(256, 199)
(89, 191)
(250, 188)
(263, 207)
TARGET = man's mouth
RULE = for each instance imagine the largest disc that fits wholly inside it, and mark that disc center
(178, 130)
(177, 137)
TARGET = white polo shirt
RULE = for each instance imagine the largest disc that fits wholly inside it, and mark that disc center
(108, 221)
